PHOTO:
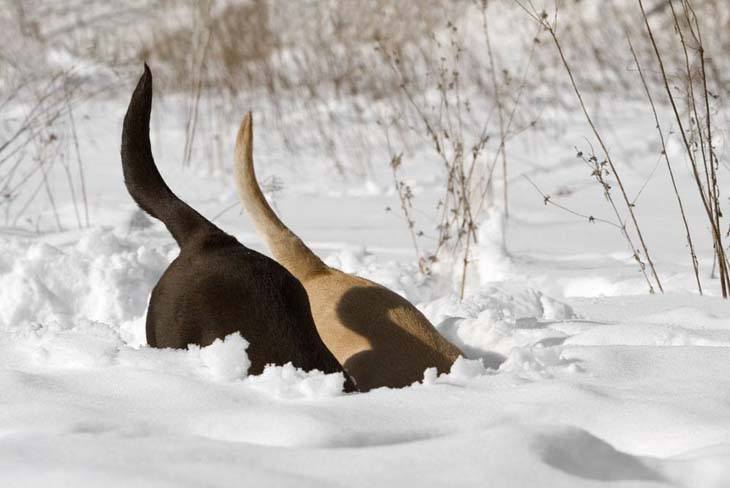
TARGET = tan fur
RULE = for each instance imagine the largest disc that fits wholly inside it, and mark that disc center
(378, 336)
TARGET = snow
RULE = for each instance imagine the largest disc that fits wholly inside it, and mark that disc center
(226, 359)
(574, 375)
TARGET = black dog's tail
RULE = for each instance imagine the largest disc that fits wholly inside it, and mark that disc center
(141, 176)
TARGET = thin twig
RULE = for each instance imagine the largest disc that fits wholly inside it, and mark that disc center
(692, 253)
(498, 100)
(550, 29)
(548, 200)
(79, 160)
(716, 235)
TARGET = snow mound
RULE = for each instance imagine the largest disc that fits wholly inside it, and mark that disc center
(88, 344)
(638, 334)
(226, 359)
(266, 427)
(495, 319)
(462, 371)
(562, 384)
(103, 277)
(536, 363)
(289, 382)
(493, 261)
(578, 453)
(83, 308)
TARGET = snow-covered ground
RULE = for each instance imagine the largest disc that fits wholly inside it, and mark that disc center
(575, 376)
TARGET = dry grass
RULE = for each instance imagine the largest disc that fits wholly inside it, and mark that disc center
(463, 77)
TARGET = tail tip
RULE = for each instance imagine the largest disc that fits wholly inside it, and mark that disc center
(136, 119)
(145, 81)
(245, 133)
(247, 123)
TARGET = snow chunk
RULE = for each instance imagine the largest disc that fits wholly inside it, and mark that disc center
(493, 261)
(465, 369)
(290, 382)
(461, 372)
(227, 359)
(496, 318)
(104, 278)
(536, 363)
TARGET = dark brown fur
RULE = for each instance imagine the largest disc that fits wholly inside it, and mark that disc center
(216, 286)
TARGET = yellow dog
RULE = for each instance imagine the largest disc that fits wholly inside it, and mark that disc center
(378, 336)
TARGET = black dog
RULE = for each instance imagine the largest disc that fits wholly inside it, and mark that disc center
(216, 286)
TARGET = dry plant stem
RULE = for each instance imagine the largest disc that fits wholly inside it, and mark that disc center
(598, 174)
(45, 131)
(406, 212)
(691, 98)
(49, 193)
(710, 149)
(72, 189)
(604, 148)
(82, 177)
(465, 267)
(42, 114)
(24, 179)
(193, 115)
(35, 113)
(547, 200)
(448, 142)
(510, 119)
(28, 202)
(405, 204)
(225, 210)
(692, 253)
(502, 151)
(716, 235)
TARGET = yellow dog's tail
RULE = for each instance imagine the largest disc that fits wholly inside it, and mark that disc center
(287, 248)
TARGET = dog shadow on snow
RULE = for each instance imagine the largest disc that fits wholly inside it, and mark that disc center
(384, 347)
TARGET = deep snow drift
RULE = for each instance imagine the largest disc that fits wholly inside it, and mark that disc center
(574, 376)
